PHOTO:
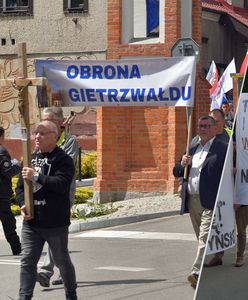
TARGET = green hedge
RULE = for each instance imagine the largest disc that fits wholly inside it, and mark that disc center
(82, 194)
(14, 183)
(88, 165)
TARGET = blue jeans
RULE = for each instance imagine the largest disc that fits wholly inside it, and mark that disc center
(33, 240)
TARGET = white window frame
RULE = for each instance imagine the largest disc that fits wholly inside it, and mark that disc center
(134, 23)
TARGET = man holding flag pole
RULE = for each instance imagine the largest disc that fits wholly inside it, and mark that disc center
(201, 169)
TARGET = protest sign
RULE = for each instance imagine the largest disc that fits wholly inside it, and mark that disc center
(222, 235)
(241, 186)
(157, 82)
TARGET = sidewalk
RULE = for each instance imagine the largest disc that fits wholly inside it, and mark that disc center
(129, 211)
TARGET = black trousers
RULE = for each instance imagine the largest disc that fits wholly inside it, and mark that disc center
(9, 224)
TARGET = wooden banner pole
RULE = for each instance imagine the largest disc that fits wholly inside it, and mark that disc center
(189, 137)
(237, 82)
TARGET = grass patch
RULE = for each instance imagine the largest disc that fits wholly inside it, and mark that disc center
(92, 210)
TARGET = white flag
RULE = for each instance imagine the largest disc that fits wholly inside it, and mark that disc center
(226, 81)
(212, 76)
(217, 98)
(224, 85)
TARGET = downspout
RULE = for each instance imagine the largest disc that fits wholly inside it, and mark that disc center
(186, 32)
(186, 18)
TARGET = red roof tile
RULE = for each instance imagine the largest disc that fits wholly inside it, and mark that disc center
(238, 13)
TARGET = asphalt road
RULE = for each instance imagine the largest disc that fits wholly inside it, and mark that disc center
(145, 260)
(224, 282)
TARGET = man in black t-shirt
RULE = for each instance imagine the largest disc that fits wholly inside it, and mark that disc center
(51, 174)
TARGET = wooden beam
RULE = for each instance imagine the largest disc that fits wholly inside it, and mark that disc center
(25, 126)
(237, 82)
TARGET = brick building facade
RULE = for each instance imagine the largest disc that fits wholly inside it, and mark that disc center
(137, 147)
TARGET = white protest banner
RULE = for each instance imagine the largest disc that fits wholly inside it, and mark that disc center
(241, 186)
(157, 82)
(222, 234)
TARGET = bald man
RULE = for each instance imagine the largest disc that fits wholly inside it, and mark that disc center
(51, 174)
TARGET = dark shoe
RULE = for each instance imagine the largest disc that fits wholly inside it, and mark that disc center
(16, 250)
(215, 261)
(57, 281)
(192, 279)
(43, 279)
(239, 262)
(71, 296)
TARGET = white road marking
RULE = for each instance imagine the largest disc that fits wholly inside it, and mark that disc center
(127, 269)
(13, 262)
(9, 262)
(137, 235)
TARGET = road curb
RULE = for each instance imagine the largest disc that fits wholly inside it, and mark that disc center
(77, 226)
(85, 182)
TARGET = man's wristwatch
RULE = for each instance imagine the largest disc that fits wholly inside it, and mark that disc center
(35, 177)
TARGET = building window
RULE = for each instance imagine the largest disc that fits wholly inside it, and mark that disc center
(245, 3)
(142, 21)
(71, 6)
(16, 7)
(152, 18)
